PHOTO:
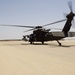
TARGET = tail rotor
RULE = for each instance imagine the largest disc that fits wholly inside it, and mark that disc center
(71, 14)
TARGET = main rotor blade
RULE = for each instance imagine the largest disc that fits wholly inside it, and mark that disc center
(29, 30)
(70, 5)
(17, 26)
(55, 22)
(56, 28)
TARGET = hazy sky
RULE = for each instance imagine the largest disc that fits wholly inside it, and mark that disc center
(30, 12)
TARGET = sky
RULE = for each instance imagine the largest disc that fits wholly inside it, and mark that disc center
(30, 12)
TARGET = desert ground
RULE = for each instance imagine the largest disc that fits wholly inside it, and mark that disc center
(21, 58)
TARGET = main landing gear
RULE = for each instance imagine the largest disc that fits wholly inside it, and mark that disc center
(59, 43)
(42, 42)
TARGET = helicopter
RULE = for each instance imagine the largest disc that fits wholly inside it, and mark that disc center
(42, 35)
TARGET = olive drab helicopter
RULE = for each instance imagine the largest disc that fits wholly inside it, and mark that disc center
(41, 35)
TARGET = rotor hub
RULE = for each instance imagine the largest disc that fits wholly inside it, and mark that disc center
(70, 15)
(38, 27)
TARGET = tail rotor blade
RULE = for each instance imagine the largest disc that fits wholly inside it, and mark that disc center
(65, 14)
(70, 5)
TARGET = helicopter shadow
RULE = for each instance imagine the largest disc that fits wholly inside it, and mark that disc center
(66, 46)
(56, 45)
(34, 44)
(47, 44)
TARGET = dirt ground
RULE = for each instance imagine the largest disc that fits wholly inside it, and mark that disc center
(21, 58)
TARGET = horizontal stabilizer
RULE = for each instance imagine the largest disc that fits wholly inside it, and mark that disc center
(71, 34)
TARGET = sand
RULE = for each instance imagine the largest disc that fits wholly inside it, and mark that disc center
(21, 58)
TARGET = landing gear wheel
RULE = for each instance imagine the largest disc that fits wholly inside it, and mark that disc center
(31, 42)
(59, 44)
(42, 42)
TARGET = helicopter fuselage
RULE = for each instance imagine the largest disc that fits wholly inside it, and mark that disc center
(41, 35)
